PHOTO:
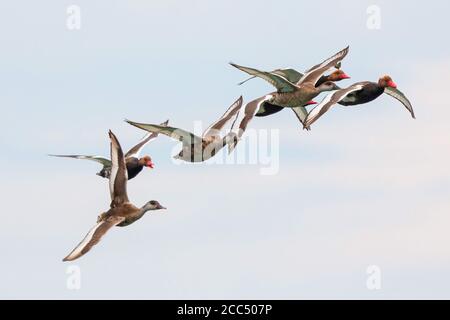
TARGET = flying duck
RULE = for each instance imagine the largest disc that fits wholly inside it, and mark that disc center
(121, 213)
(133, 162)
(294, 76)
(195, 148)
(359, 93)
(289, 95)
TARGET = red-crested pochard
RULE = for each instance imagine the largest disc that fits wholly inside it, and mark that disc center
(359, 93)
(134, 163)
(195, 148)
(122, 212)
(268, 109)
(288, 94)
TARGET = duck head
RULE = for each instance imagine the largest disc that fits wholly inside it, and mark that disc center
(328, 86)
(146, 162)
(386, 81)
(337, 75)
(153, 205)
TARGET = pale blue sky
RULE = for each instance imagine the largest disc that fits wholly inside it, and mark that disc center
(368, 186)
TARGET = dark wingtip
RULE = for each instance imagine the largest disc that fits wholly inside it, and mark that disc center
(135, 124)
(346, 50)
(238, 101)
(112, 136)
(130, 122)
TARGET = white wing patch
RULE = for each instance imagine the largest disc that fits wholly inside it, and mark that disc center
(327, 64)
(77, 252)
(397, 94)
(249, 113)
(93, 237)
(331, 99)
(227, 116)
(138, 151)
(114, 169)
(316, 111)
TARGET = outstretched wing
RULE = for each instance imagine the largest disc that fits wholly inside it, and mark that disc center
(282, 84)
(232, 111)
(249, 112)
(93, 237)
(301, 113)
(314, 74)
(331, 99)
(184, 136)
(105, 162)
(397, 94)
(119, 175)
(136, 150)
(290, 75)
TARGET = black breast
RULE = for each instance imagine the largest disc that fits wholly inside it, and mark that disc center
(321, 80)
(267, 109)
(133, 167)
(368, 93)
(105, 172)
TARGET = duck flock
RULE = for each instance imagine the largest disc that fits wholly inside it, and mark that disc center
(294, 90)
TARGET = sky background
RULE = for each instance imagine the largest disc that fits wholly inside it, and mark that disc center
(367, 186)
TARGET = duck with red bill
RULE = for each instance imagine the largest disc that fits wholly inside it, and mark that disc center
(359, 93)
(133, 161)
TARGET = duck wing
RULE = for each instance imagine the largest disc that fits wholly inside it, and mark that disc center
(93, 237)
(184, 136)
(136, 150)
(282, 84)
(397, 94)
(119, 175)
(314, 74)
(105, 162)
(301, 113)
(250, 110)
(331, 99)
(232, 111)
(289, 74)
